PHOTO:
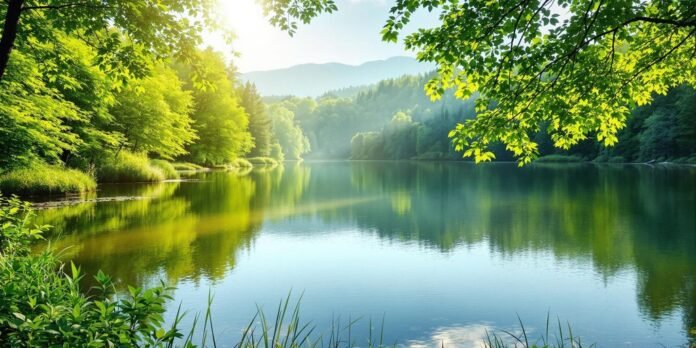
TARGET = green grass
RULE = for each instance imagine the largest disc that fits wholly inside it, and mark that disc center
(186, 166)
(43, 179)
(263, 161)
(241, 163)
(128, 167)
(167, 168)
(559, 159)
(561, 337)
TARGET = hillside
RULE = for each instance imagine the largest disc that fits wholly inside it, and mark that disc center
(312, 80)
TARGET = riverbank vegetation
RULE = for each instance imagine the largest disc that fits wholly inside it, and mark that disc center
(46, 179)
(71, 99)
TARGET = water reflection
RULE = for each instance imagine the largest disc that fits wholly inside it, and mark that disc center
(617, 218)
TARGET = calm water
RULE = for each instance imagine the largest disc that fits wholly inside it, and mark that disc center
(441, 251)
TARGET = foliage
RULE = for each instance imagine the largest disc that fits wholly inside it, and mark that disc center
(128, 167)
(572, 68)
(187, 166)
(287, 133)
(259, 122)
(137, 30)
(579, 76)
(330, 123)
(16, 233)
(39, 179)
(167, 168)
(44, 305)
(219, 120)
(373, 134)
(277, 152)
(241, 163)
(285, 13)
(37, 119)
(153, 114)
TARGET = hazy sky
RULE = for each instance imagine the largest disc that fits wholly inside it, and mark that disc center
(349, 36)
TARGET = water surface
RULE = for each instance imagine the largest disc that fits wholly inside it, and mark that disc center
(441, 251)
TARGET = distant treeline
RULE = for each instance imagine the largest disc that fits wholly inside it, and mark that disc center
(394, 120)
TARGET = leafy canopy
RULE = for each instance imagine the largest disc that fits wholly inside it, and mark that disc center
(573, 66)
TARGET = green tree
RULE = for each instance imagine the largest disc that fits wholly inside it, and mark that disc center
(288, 133)
(52, 118)
(576, 65)
(137, 28)
(259, 122)
(153, 114)
(219, 120)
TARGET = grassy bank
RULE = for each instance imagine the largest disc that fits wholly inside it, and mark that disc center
(167, 168)
(128, 167)
(186, 166)
(42, 179)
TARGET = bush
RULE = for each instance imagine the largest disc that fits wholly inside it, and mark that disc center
(559, 159)
(241, 163)
(128, 167)
(185, 166)
(43, 305)
(263, 161)
(167, 168)
(45, 179)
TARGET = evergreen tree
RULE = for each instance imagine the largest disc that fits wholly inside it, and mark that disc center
(259, 122)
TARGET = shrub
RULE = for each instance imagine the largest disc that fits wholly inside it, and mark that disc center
(128, 167)
(45, 179)
(241, 163)
(559, 159)
(277, 152)
(43, 305)
(186, 166)
(167, 168)
(263, 161)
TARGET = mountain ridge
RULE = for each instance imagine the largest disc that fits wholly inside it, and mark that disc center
(315, 79)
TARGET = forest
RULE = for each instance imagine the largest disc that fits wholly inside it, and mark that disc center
(395, 120)
(129, 129)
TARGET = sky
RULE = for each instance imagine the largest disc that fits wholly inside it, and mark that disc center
(349, 36)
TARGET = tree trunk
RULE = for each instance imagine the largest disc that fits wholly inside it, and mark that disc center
(9, 33)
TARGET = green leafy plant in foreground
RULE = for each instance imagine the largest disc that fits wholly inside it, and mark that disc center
(43, 304)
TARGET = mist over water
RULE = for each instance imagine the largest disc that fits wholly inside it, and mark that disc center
(442, 252)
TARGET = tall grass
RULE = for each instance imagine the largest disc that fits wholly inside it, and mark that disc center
(186, 166)
(128, 167)
(41, 179)
(285, 330)
(167, 168)
(241, 163)
(562, 338)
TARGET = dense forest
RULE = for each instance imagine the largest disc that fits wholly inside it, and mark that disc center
(395, 120)
(130, 128)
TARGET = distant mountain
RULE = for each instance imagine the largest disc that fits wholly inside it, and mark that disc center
(312, 80)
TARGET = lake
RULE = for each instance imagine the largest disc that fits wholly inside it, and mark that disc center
(441, 252)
